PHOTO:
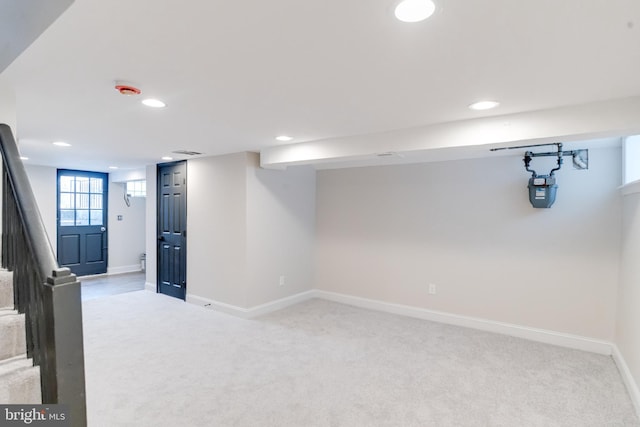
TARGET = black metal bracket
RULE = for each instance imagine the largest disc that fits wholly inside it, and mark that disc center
(580, 157)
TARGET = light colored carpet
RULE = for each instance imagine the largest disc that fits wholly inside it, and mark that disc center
(156, 361)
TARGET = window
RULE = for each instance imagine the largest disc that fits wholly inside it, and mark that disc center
(80, 200)
(137, 188)
(631, 154)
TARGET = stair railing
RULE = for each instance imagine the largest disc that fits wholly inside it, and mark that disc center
(48, 295)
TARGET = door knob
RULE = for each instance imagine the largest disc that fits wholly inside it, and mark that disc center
(103, 229)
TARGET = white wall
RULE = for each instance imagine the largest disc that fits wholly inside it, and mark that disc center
(467, 226)
(246, 228)
(280, 231)
(7, 105)
(126, 237)
(216, 228)
(151, 235)
(43, 182)
(628, 325)
(7, 112)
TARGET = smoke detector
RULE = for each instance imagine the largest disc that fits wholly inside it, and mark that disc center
(127, 89)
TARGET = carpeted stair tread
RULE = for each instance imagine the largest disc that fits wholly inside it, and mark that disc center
(19, 381)
(7, 311)
(6, 288)
(14, 364)
(12, 336)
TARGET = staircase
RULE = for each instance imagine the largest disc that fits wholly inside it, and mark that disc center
(40, 306)
(19, 379)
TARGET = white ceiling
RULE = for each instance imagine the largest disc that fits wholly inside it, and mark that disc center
(237, 73)
(22, 21)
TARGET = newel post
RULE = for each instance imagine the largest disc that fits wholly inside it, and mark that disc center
(63, 369)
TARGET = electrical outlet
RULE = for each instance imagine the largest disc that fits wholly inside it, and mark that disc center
(432, 288)
(281, 280)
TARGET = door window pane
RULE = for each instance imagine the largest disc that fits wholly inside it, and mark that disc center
(67, 217)
(82, 201)
(96, 185)
(82, 216)
(82, 184)
(66, 201)
(96, 201)
(66, 183)
(96, 217)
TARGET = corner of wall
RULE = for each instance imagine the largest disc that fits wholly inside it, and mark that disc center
(627, 378)
(151, 233)
(280, 231)
(627, 350)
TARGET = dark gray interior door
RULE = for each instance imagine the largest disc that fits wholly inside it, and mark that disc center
(172, 229)
(82, 221)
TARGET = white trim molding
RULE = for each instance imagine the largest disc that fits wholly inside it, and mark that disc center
(533, 334)
(134, 268)
(248, 313)
(114, 272)
(627, 378)
(151, 287)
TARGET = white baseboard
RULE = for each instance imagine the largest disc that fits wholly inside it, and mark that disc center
(627, 378)
(539, 335)
(533, 334)
(150, 287)
(124, 269)
(257, 310)
(216, 305)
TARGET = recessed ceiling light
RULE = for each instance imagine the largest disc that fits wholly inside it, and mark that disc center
(154, 103)
(414, 10)
(113, 167)
(61, 144)
(284, 138)
(167, 158)
(484, 105)
(24, 158)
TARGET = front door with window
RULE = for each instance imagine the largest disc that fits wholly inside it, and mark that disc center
(82, 221)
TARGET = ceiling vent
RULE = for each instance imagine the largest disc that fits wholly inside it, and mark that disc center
(389, 154)
(187, 152)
